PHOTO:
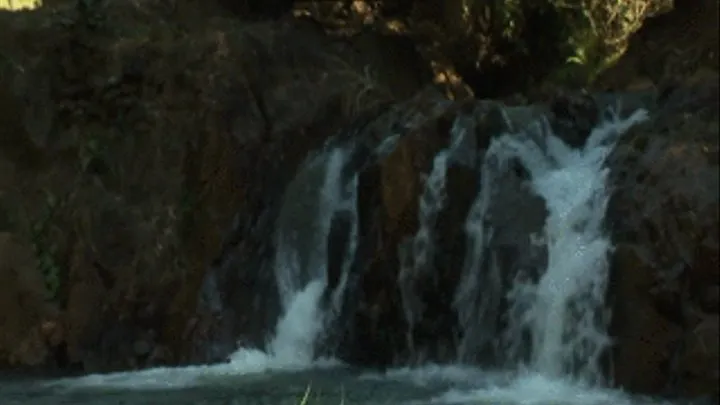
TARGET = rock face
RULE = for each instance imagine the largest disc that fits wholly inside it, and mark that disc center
(25, 316)
(129, 140)
(664, 218)
(414, 208)
(144, 153)
(674, 46)
(665, 213)
(389, 196)
(499, 48)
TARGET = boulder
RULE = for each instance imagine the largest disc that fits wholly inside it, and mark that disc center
(664, 221)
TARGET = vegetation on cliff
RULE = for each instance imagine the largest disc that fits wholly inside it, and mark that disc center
(134, 136)
(499, 47)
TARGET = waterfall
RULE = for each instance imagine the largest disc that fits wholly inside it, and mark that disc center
(322, 191)
(472, 307)
(564, 311)
(417, 254)
(310, 204)
(548, 323)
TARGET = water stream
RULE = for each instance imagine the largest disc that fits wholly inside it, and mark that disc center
(416, 255)
(562, 311)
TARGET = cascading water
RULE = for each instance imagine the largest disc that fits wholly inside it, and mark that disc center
(472, 307)
(318, 192)
(301, 263)
(566, 314)
(416, 256)
(561, 310)
(564, 311)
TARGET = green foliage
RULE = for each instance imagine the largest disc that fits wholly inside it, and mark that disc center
(509, 14)
(595, 32)
(598, 32)
(45, 249)
(575, 39)
(19, 4)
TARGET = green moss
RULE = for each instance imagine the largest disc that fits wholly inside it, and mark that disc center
(45, 249)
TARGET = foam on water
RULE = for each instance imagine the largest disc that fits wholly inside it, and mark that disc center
(474, 386)
(440, 376)
(537, 389)
(289, 350)
(563, 311)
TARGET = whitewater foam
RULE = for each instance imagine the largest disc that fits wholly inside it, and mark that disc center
(474, 386)
(537, 389)
(567, 318)
(564, 312)
(291, 349)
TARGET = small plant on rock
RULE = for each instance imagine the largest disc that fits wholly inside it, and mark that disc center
(599, 32)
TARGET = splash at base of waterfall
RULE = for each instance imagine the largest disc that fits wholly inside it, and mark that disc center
(256, 378)
(473, 386)
(303, 228)
(538, 389)
(564, 311)
(289, 351)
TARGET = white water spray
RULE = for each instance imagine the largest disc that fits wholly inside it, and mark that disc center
(566, 315)
(349, 205)
(564, 311)
(301, 263)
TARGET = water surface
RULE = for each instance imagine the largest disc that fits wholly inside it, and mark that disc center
(223, 385)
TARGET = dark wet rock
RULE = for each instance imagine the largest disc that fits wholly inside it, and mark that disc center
(405, 299)
(710, 298)
(388, 208)
(22, 308)
(645, 340)
(697, 367)
(251, 10)
(674, 47)
(664, 219)
(574, 117)
(129, 151)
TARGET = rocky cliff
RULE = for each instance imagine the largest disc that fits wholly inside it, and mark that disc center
(144, 147)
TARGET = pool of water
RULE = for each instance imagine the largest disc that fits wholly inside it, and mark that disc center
(440, 385)
(325, 387)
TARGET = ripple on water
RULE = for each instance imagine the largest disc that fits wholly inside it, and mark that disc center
(428, 385)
